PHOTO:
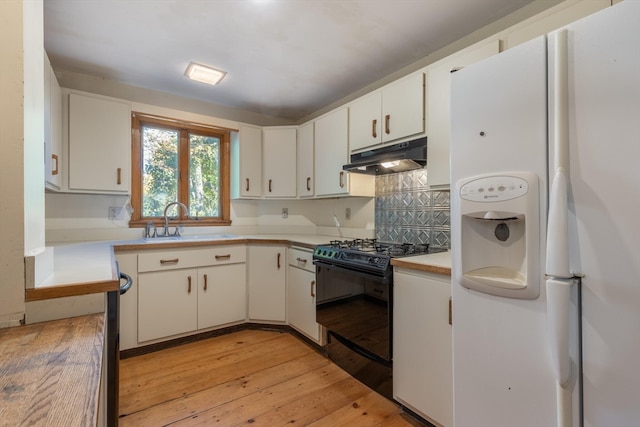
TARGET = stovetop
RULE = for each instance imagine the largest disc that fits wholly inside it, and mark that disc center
(367, 254)
(381, 248)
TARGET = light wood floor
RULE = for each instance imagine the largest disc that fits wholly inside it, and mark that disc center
(251, 377)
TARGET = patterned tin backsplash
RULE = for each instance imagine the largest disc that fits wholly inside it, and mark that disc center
(407, 211)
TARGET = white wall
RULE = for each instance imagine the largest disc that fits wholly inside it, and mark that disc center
(82, 217)
(11, 161)
(33, 31)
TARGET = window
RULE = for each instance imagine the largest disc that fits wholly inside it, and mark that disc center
(177, 161)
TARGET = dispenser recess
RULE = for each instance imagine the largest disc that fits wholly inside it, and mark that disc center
(499, 234)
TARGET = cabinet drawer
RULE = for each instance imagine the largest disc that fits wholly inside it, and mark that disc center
(187, 258)
(228, 255)
(301, 258)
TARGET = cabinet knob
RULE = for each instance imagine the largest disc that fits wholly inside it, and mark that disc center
(169, 261)
(119, 179)
(205, 283)
(247, 185)
(270, 186)
(387, 119)
(341, 179)
(308, 183)
(302, 260)
(374, 127)
(223, 257)
(278, 261)
(313, 283)
(189, 286)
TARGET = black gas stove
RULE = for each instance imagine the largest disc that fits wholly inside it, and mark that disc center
(367, 255)
(354, 304)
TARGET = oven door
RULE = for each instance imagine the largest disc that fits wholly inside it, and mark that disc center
(355, 307)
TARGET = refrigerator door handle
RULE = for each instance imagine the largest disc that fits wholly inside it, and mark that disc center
(558, 300)
(557, 264)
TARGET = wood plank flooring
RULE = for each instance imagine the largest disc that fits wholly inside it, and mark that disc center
(251, 377)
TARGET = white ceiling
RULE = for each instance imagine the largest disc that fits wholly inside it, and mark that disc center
(284, 58)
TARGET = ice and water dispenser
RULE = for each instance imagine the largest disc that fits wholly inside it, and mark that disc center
(499, 234)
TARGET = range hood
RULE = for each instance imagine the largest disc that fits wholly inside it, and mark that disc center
(394, 158)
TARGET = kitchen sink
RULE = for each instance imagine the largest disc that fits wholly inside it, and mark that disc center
(190, 238)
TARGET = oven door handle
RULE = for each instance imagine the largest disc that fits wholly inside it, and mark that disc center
(358, 273)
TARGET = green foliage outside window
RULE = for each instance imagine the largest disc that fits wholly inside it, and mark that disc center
(160, 172)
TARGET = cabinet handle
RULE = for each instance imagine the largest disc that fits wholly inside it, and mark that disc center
(169, 261)
(54, 157)
(387, 118)
(313, 283)
(223, 257)
(342, 179)
(119, 176)
(247, 185)
(308, 183)
(302, 260)
(450, 312)
(270, 186)
(278, 262)
(374, 126)
(189, 288)
(205, 282)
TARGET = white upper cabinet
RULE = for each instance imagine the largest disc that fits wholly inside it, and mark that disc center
(246, 162)
(306, 179)
(52, 128)
(279, 161)
(393, 112)
(331, 153)
(99, 144)
(438, 105)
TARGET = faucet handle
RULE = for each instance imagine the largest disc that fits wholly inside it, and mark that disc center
(147, 230)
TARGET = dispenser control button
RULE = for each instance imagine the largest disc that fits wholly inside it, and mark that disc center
(501, 188)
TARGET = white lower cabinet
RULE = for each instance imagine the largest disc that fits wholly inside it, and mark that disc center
(267, 282)
(222, 295)
(301, 293)
(182, 291)
(167, 303)
(422, 355)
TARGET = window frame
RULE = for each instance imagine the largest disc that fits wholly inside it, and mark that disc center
(184, 128)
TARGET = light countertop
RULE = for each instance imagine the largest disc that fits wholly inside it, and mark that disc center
(86, 268)
(439, 263)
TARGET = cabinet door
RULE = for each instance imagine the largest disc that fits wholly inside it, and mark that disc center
(222, 295)
(422, 366)
(267, 283)
(167, 303)
(52, 128)
(301, 302)
(403, 108)
(304, 153)
(331, 153)
(365, 126)
(246, 163)
(279, 162)
(438, 105)
(99, 144)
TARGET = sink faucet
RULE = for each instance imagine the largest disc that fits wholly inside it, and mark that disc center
(166, 218)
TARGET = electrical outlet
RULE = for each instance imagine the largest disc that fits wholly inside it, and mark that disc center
(347, 214)
(285, 213)
(115, 213)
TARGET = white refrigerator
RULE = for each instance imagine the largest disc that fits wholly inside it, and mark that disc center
(545, 224)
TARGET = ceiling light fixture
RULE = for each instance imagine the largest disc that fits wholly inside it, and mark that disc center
(204, 74)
